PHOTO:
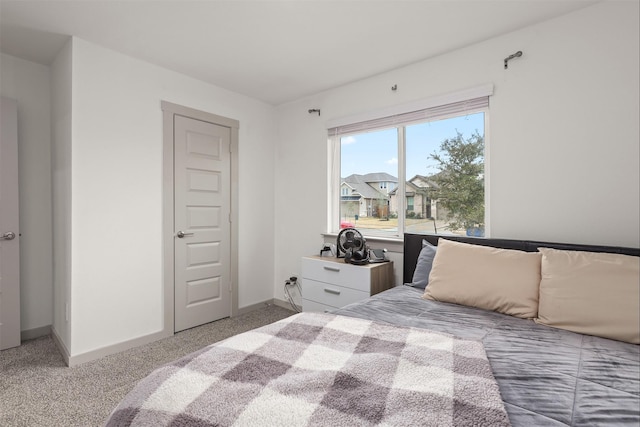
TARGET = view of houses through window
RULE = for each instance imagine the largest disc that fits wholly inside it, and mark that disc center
(438, 187)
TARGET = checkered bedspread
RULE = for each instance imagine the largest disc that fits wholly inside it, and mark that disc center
(316, 369)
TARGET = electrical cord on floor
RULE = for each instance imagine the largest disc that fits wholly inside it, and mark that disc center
(292, 282)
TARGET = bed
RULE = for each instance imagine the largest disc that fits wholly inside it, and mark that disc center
(398, 359)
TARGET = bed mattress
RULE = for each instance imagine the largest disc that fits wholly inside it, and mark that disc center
(546, 376)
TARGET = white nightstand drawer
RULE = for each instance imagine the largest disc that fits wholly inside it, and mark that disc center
(308, 305)
(330, 283)
(338, 273)
(330, 294)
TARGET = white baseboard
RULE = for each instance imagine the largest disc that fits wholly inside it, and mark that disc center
(61, 347)
(136, 342)
(283, 304)
(273, 301)
(79, 359)
(253, 307)
(34, 333)
(115, 348)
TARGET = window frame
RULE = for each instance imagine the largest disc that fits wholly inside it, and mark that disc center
(334, 152)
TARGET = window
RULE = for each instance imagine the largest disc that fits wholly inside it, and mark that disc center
(419, 172)
(410, 206)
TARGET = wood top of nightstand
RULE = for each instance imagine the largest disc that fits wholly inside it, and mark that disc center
(341, 261)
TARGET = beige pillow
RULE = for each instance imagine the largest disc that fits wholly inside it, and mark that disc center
(591, 293)
(495, 279)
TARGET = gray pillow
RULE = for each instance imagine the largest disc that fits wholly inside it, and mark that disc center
(423, 266)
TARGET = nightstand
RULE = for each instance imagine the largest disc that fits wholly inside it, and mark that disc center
(330, 283)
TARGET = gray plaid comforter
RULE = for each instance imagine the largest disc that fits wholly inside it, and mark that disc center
(326, 370)
(547, 376)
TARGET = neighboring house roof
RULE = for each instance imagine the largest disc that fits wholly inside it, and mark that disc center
(418, 183)
(409, 184)
(378, 177)
(359, 184)
(423, 181)
(371, 177)
(353, 196)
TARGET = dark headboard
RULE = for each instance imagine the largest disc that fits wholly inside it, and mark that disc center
(413, 245)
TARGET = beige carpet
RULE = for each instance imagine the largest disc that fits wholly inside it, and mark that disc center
(37, 389)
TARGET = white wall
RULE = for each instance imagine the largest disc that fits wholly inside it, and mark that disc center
(563, 138)
(28, 83)
(116, 251)
(61, 134)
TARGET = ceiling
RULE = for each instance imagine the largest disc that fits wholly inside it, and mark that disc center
(274, 51)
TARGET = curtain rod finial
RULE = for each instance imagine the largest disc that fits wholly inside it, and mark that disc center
(518, 54)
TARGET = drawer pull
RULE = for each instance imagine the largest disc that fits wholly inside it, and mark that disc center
(332, 291)
(332, 268)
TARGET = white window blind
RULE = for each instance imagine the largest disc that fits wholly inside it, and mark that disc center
(423, 115)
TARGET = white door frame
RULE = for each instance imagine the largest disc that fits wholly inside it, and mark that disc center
(169, 110)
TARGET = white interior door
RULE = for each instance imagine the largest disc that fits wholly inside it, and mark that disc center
(202, 200)
(9, 227)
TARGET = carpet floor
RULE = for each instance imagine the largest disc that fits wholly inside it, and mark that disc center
(38, 389)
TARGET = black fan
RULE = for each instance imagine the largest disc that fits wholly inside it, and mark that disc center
(352, 246)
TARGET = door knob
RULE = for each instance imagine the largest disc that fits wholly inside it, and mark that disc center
(9, 235)
(181, 234)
